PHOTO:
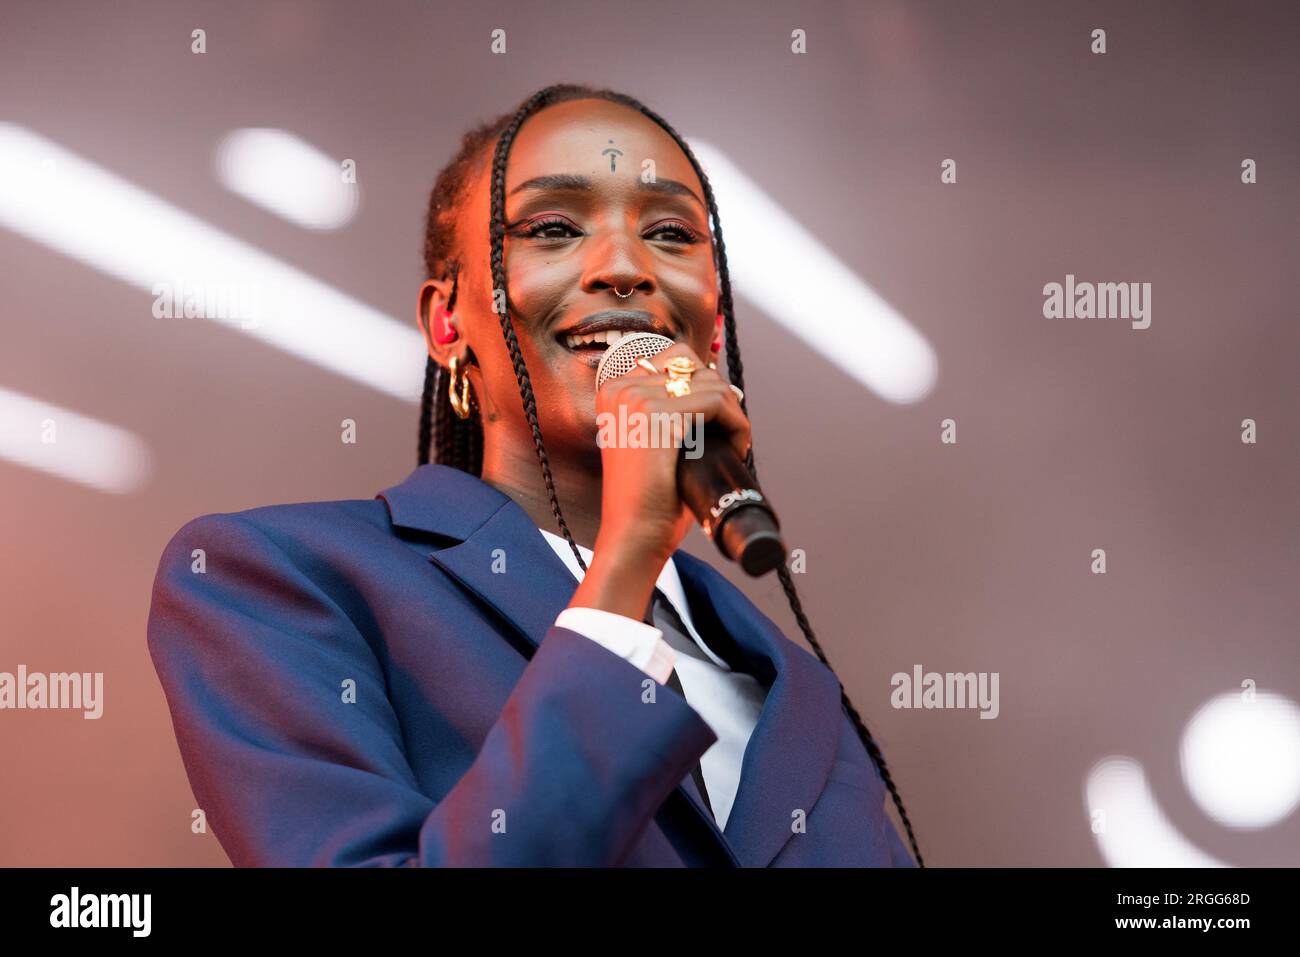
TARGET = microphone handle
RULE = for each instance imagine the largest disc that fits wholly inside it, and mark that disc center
(729, 505)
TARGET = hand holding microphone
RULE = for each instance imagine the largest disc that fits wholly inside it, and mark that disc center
(652, 494)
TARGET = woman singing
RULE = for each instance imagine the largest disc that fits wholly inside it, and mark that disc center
(505, 659)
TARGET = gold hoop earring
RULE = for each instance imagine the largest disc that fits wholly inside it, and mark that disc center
(459, 389)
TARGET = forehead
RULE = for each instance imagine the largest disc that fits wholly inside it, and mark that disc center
(571, 138)
(574, 137)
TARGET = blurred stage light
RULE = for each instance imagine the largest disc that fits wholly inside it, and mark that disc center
(44, 436)
(1241, 759)
(287, 176)
(834, 311)
(138, 237)
(59, 199)
(1131, 830)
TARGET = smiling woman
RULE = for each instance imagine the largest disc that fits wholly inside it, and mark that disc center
(469, 687)
(573, 237)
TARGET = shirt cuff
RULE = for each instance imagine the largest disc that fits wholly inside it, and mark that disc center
(641, 644)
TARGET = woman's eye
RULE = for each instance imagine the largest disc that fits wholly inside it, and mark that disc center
(541, 228)
(555, 229)
(684, 233)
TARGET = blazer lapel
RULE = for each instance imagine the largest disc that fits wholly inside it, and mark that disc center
(790, 753)
(500, 556)
(509, 565)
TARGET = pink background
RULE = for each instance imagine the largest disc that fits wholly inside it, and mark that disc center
(1072, 435)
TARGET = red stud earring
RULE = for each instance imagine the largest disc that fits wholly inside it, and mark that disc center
(443, 331)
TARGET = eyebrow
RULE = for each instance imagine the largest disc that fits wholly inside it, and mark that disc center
(574, 182)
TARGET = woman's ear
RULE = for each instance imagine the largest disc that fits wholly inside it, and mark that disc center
(440, 328)
(716, 345)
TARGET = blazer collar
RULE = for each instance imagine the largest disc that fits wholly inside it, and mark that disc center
(790, 753)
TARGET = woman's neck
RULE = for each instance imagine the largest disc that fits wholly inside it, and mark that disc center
(577, 488)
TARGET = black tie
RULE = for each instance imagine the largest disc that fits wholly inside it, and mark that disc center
(666, 619)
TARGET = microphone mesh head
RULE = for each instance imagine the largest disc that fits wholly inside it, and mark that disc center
(621, 359)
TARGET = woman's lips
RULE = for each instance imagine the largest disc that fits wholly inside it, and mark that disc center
(601, 337)
(588, 357)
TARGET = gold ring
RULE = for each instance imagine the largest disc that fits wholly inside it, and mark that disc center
(679, 369)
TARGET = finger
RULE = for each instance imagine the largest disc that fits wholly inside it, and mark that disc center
(652, 367)
(717, 404)
(677, 350)
(647, 377)
(733, 418)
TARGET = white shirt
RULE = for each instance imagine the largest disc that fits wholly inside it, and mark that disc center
(728, 701)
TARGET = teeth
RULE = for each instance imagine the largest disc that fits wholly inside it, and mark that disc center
(610, 337)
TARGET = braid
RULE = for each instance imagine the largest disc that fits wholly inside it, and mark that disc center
(497, 229)
(796, 606)
(460, 441)
(736, 374)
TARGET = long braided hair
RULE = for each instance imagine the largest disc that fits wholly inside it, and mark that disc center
(460, 441)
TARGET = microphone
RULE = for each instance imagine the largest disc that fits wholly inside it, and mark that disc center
(716, 486)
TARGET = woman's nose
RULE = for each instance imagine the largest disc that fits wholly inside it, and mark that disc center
(615, 262)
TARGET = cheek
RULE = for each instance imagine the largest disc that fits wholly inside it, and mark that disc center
(540, 288)
(564, 389)
(536, 296)
(694, 297)
(539, 282)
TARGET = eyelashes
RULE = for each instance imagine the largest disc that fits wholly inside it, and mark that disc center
(687, 235)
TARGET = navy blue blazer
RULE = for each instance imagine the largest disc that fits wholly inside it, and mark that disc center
(365, 682)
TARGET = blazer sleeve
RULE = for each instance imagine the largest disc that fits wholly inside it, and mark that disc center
(255, 660)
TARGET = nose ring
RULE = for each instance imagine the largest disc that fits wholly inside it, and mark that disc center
(620, 295)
